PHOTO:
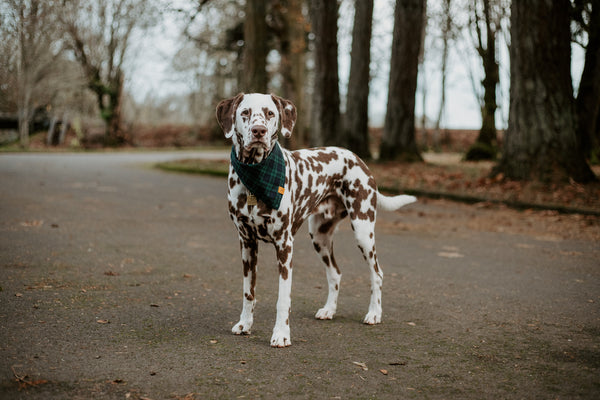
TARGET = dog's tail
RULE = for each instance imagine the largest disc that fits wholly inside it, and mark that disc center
(395, 202)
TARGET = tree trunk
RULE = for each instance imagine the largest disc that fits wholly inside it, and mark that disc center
(398, 141)
(356, 126)
(485, 147)
(541, 143)
(24, 127)
(588, 96)
(437, 134)
(326, 95)
(115, 135)
(292, 67)
(255, 47)
(447, 28)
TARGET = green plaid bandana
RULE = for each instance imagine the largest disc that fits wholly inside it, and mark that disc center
(266, 179)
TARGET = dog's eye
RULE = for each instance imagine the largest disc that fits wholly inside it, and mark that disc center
(271, 113)
(245, 113)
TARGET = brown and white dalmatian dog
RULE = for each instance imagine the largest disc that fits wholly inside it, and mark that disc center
(323, 184)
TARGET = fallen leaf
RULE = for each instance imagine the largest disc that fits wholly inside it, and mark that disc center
(411, 324)
(154, 305)
(111, 273)
(362, 365)
(214, 341)
(448, 254)
(18, 294)
(32, 223)
(383, 371)
(103, 321)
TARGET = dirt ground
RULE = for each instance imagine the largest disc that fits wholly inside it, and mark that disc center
(119, 281)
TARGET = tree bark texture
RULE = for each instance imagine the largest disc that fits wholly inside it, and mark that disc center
(398, 141)
(292, 67)
(356, 126)
(541, 143)
(326, 96)
(485, 146)
(588, 96)
(255, 47)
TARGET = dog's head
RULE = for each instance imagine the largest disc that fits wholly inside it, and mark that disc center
(253, 120)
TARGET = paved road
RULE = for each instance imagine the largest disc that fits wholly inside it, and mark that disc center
(121, 281)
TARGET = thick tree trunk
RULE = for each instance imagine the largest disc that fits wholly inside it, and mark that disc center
(356, 126)
(398, 141)
(292, 67)
(588, 96)
(541, 142)
(326, 95)
(109, 101)
(255, 47)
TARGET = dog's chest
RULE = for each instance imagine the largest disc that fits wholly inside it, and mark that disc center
(251, 216)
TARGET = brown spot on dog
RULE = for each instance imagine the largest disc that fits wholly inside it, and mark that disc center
(284, 253)
(268, 113)
(283, 272)
(326, 226)
(241, 201)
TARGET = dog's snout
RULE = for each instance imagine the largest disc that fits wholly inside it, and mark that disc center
(258, 130)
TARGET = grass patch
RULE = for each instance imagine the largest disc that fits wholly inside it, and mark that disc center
(218, 168)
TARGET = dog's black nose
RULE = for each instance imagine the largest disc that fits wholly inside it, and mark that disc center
(259, 130)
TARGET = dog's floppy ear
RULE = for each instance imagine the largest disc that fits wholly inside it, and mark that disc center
(287, 113)
(226, 114)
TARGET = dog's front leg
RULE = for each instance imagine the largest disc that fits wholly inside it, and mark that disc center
(281, 331)
(249, 249)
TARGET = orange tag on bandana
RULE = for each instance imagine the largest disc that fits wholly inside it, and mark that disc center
(281, 190)
(251, 199)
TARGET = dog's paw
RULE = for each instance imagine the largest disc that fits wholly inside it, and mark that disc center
(242, 328)
(281, 338)
(325, 313)
(372, 318)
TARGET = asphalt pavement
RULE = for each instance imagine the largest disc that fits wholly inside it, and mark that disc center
(120, 281)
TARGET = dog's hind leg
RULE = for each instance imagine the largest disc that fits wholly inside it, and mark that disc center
(321, 228)
(364, 231)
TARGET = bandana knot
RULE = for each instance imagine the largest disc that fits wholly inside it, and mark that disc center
(266, 179)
